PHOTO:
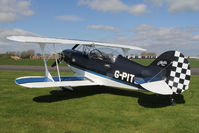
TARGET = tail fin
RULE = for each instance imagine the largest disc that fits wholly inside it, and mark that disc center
(178, 71)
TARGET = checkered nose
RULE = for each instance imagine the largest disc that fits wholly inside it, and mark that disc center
(179, 73)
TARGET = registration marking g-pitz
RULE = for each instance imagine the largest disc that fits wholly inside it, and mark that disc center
(124, 76)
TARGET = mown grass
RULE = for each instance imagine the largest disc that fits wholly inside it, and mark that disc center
(39, 62)
(93, 109)
(29, 62)
(144, 62)
(194, 63)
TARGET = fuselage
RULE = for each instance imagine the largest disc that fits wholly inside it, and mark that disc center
(118, 67)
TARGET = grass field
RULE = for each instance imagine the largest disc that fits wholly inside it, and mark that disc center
(94, 109)
(39, 62)
(194, 63)
(29, 62)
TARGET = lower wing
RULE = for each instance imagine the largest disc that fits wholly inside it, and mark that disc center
(42, 81)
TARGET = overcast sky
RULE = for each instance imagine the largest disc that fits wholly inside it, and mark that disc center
(157, 25)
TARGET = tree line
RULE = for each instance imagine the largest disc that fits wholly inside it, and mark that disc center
(24, 54)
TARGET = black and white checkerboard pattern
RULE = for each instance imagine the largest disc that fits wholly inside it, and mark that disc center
(179, 77)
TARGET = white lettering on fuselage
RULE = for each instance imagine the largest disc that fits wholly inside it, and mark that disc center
(124, 76)
(162, 63)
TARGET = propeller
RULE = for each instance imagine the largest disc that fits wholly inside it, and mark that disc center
(74, 47)
(59, 60)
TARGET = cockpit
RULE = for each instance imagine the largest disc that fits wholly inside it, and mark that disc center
(100, 54)
(96, 55)
(106, 55)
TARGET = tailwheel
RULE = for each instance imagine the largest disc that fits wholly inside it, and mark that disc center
(172, 100)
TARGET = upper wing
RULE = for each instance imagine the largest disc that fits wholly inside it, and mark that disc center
(30, 39)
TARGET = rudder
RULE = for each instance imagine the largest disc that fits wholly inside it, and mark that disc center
(177, 68)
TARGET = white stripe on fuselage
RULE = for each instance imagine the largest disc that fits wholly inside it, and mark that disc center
(102, 79)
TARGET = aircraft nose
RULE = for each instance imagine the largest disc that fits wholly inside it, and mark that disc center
(67, 54)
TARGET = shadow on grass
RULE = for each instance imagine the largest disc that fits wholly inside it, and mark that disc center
(146, 100)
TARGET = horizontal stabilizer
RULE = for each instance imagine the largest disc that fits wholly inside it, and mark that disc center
(42, 82)
(159, 87)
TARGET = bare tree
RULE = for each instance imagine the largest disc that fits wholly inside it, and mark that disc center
(27, 54)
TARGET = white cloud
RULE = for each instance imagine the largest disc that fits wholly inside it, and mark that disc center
(70, 18)
(196, 37)
(192, 29)
(104, 27)
(104, 5)
(11, 10)
(114, 6)
(176, 6)
(138, 10)
(158, 3)
(6, 45)
(159, 39)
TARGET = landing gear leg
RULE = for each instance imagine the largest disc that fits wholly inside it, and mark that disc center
(172, 100)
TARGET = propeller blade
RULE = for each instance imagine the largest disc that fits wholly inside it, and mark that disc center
(75, 46)
(58, 60)
(55, 63)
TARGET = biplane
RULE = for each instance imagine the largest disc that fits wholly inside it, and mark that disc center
(167, 75)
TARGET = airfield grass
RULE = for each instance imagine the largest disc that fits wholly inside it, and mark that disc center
(194, 63)
(29, 62)
(93, 109)
(39, 62)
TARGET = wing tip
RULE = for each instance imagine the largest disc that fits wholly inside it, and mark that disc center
(16, 38)
(141, 49)
(10, 38)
